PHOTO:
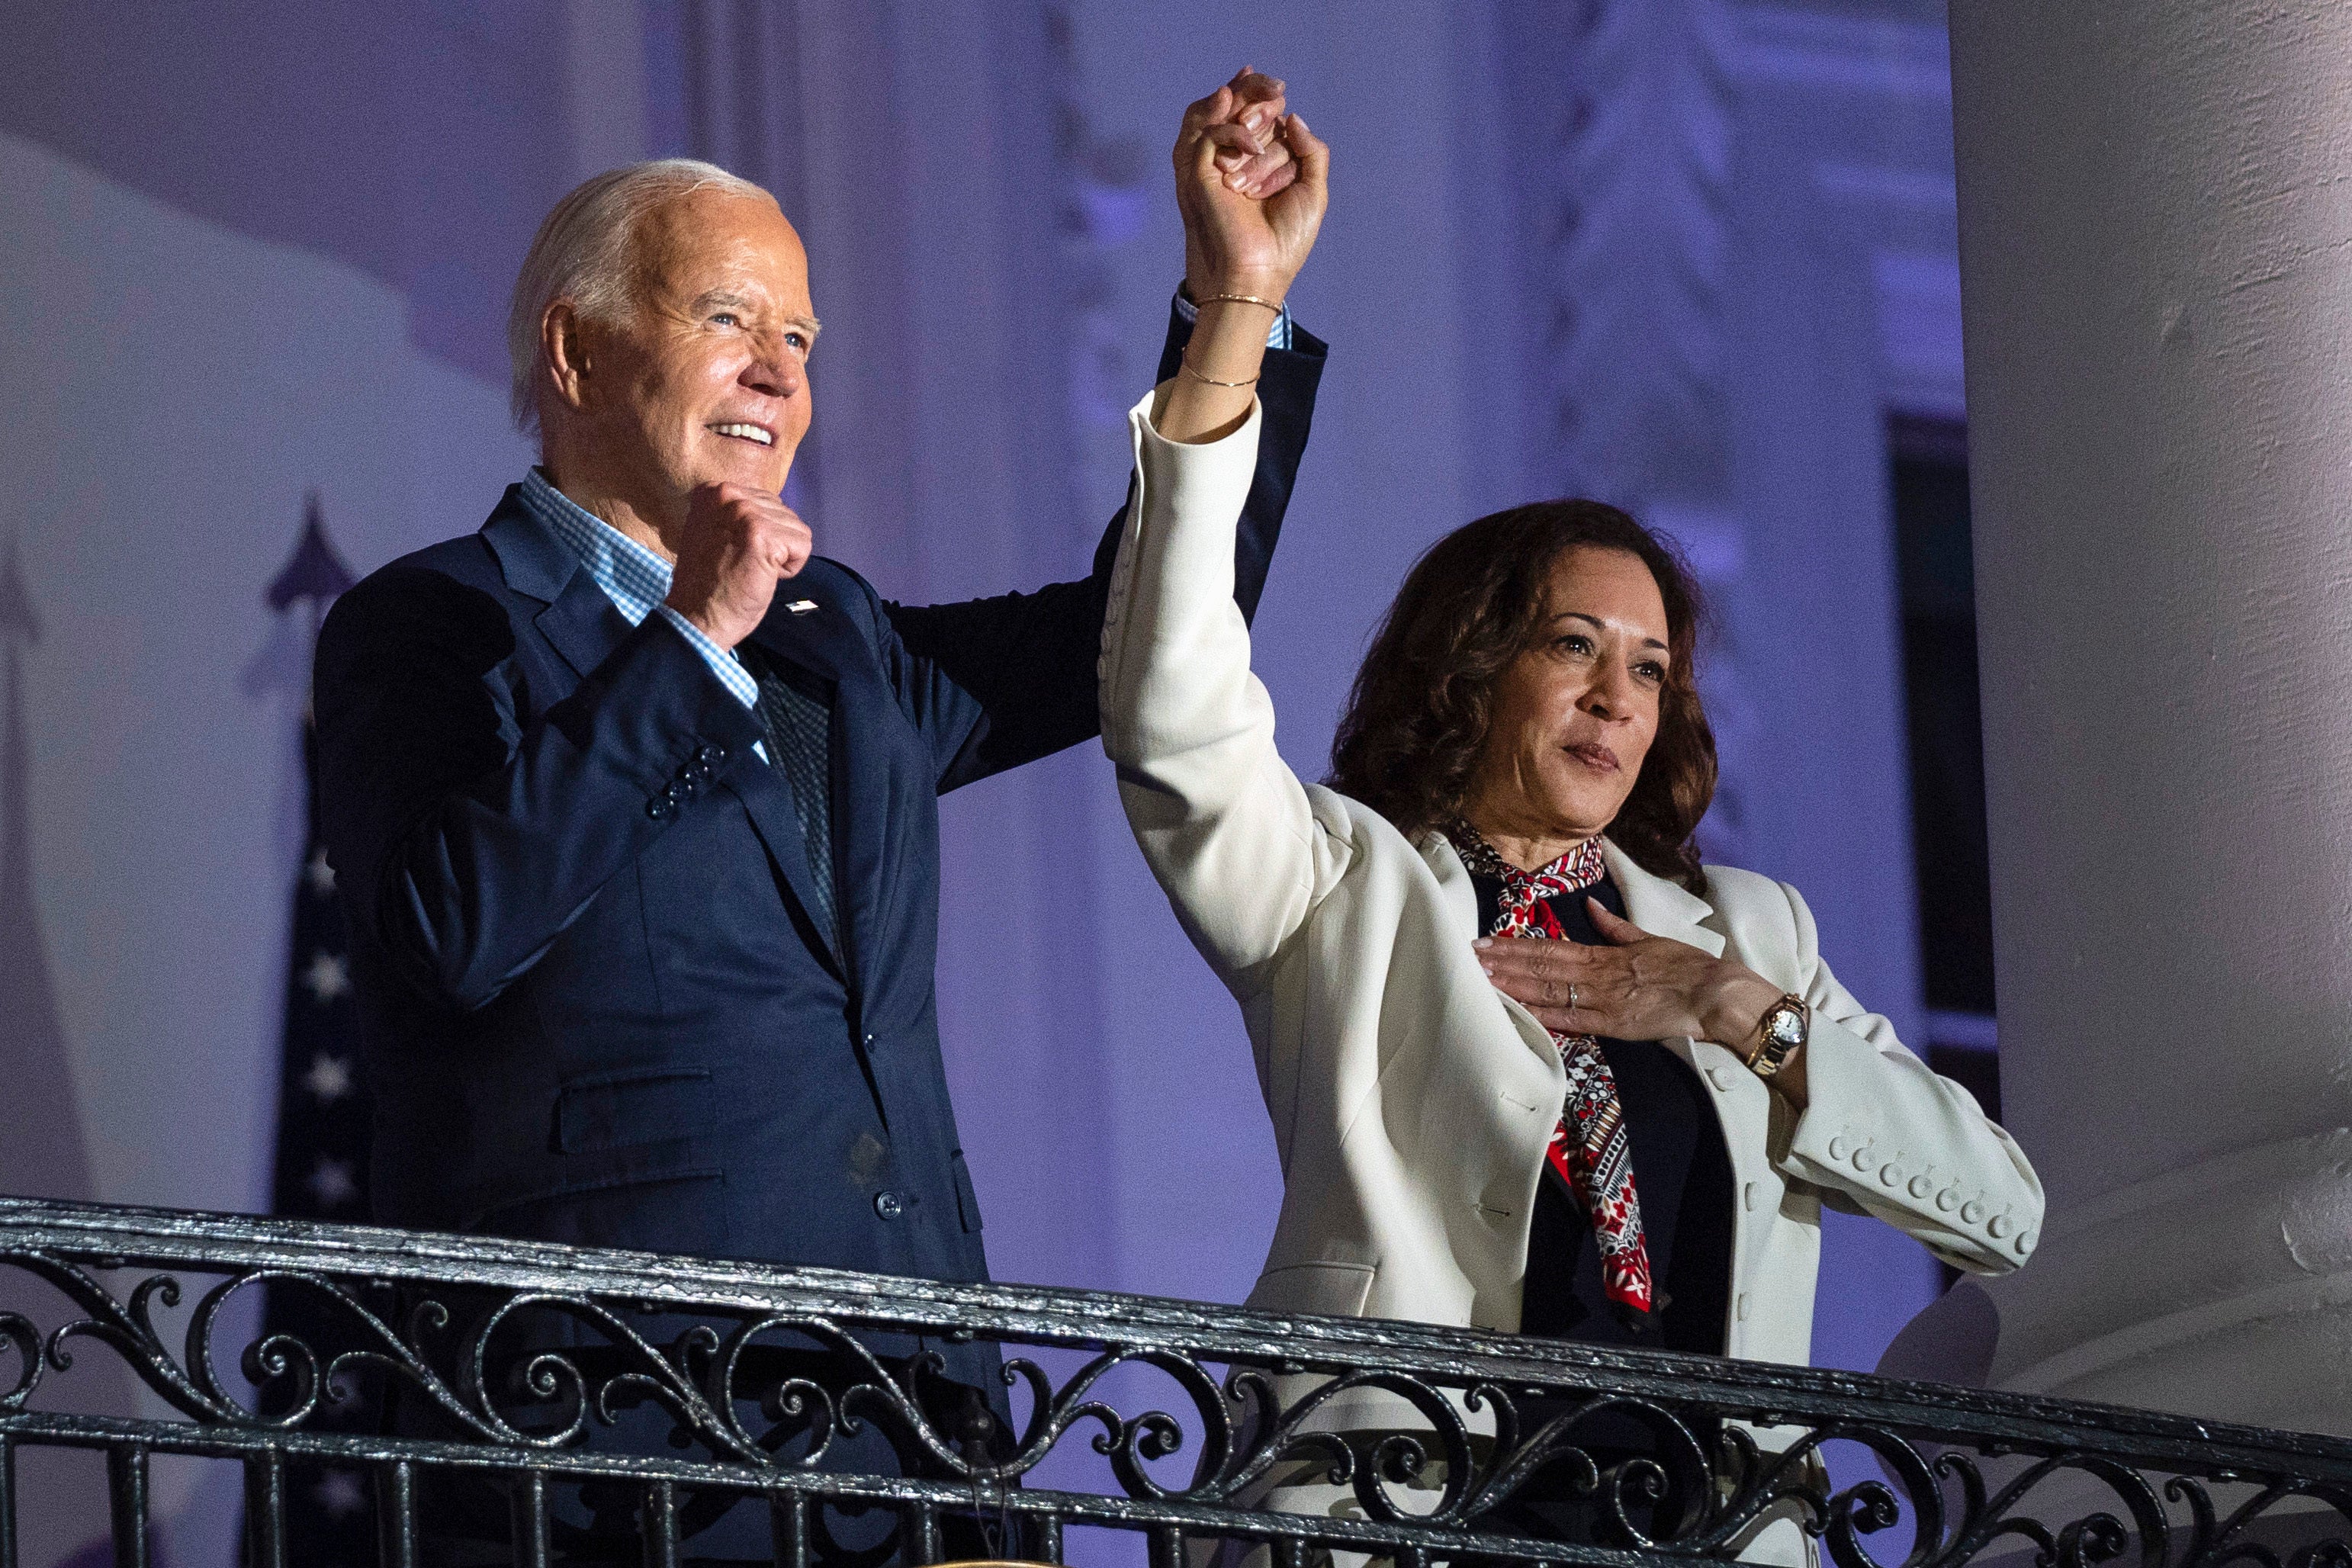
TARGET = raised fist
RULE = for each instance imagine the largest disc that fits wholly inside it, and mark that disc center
(740, 543)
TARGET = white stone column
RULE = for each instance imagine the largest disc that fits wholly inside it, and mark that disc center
(2156, 235)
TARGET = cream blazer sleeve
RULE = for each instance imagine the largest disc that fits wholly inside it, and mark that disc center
(1226, 827)
(1882, 1134)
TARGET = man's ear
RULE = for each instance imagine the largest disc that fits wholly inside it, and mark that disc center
(564, 341)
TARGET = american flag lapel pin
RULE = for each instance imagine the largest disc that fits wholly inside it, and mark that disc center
(802, 606)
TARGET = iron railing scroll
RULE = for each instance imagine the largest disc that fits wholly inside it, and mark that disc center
(1183, 1414)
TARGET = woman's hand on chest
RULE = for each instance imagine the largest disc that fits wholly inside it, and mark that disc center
(1641, 987)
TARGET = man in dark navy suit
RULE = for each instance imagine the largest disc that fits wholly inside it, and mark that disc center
(632, 798)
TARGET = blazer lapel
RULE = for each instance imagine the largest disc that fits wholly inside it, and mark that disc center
(582, 625)
(1657, 906)
(1667, 910)
(1462, 902)
(768, 801)
(1660, 907)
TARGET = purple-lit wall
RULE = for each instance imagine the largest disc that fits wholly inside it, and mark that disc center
(1681, 253)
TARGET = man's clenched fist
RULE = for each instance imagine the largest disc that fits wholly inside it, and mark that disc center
(740, 543)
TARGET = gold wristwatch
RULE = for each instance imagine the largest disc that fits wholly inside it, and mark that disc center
(1782, 1030)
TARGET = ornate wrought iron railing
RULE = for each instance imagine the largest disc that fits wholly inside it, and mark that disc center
(1639, 1458)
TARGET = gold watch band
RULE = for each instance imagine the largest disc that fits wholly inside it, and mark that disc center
(1776, 1040)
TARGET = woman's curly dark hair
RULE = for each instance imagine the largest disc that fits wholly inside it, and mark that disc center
(1418, 714)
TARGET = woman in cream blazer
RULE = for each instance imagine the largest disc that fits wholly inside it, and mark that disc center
(1411, 1099)
(1413, 1090)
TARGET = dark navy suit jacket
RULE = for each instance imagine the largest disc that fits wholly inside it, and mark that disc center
(590, 1017)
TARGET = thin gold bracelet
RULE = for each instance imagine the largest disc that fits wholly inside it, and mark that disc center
(1186, 366)
(1274, 305)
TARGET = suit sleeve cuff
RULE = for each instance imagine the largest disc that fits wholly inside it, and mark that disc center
(1277, 336)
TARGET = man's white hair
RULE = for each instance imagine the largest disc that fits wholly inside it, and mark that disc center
(585, 252)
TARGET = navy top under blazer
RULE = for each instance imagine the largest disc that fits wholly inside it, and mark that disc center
(1682, 1171)
(589, 1018)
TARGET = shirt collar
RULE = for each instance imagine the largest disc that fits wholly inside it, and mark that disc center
(633, 577)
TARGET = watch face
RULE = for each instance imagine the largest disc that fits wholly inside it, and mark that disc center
(1786, 1027)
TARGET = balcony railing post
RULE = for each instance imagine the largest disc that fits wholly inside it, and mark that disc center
(788, 1519)
(923, 1529)
(8, 1500)
(396, 1515)
(126, 1484)
(531, 1528)
(660, 1525)
(265, 1509)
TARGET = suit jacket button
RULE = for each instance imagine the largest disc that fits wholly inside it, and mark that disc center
(1998, 1225)
(1972, 1212)
(889, 1205)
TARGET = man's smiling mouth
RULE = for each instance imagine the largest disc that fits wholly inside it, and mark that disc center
(747, 433)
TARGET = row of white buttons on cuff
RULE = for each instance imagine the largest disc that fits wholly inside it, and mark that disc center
(1891, 1175)
(1971, 1210)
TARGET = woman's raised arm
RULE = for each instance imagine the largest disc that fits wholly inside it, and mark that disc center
(1228, 830)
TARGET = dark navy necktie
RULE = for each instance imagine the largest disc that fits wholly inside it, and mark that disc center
(799, 742)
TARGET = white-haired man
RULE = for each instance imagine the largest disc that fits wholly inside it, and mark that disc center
(639, 853)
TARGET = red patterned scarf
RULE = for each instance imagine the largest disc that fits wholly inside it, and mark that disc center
(1589, 1148)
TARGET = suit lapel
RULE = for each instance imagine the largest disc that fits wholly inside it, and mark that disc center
(582, 626)
(579, 622)
(1657, 906)
(1667, 910)
(768, 801)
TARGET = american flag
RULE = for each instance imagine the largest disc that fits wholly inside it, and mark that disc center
(322, 1107)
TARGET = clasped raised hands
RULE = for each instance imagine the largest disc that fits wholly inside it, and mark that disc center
(1251, 182)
